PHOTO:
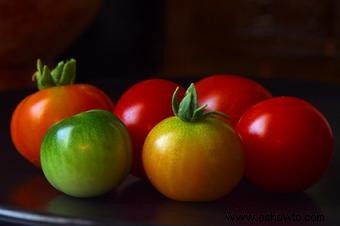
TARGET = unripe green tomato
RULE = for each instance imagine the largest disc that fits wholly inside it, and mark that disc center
(87, 154)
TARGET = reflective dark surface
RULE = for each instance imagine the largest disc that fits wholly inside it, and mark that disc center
(27, 199)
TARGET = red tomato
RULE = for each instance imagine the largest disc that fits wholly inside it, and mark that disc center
(140, 108)
(230, 94)
(38, 111)
(288, 144)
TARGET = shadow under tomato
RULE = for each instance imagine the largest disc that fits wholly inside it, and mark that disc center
(139, 191)
(80, 207)
(244, 200)
(139, 202)
(107, 206)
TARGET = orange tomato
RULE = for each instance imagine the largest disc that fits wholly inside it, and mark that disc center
(196, 158)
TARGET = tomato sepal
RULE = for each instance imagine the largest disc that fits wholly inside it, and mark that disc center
(63, 74)
(188, 110)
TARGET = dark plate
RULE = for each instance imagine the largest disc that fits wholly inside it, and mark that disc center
(27, 199)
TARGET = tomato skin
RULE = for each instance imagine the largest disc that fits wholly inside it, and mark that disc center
(87, 154)
(231, 94)
(288, 144)
(38, 111)
(140, 108)
(200, 161)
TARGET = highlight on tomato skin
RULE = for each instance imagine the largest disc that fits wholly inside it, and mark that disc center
(288, 144)
(230, 94)
(194, 155)
(140, 108)
(58, 98)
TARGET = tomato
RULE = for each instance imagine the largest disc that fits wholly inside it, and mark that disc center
(86, 154)
(230, 94)
(288, 144)
(193, 156)
(38, 111)
(140, 108)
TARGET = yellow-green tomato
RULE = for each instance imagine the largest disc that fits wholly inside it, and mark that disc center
(87, 154)
(193, 161)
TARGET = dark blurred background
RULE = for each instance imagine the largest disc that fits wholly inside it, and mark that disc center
(173, 38)
(264, 38)
(125, 39)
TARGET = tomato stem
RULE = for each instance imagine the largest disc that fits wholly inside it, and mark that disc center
(63, 74)
(188, 109)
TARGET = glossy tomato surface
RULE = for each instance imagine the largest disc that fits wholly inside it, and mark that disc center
(193, 161)
(140, 108)
(37, 112)
(230, 94)
(87, 154)
(288, 144)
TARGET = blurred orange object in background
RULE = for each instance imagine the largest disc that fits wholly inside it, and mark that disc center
(38, 28)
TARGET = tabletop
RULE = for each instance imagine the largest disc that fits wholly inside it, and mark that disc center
(27, 199)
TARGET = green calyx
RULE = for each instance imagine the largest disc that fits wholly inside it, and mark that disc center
(188, 109)
(63, 74)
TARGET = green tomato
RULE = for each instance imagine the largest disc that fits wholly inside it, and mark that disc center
(87, 154)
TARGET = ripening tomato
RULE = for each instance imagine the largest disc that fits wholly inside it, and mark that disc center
(193, 156)
(140, 108)
(288, 144)
(55, 101)
(230, 94)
